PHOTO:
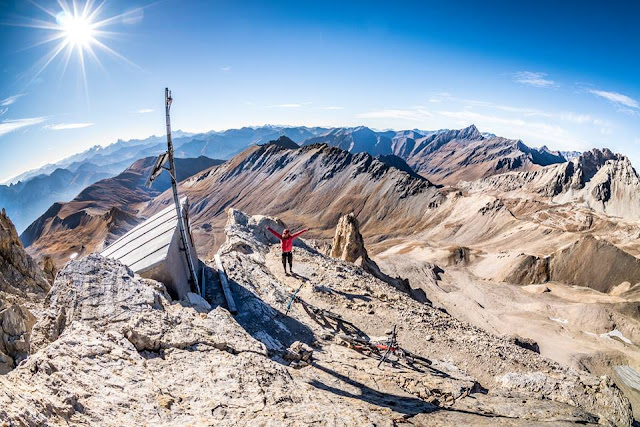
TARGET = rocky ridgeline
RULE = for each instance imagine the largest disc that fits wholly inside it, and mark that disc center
(597, 179)
(22, 287)
(20, 276)
(517, 379)
(110, 348)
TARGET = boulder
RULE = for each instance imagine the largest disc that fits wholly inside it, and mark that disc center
(16, 323)
(299, 351)
(526, 343)
(196, 301)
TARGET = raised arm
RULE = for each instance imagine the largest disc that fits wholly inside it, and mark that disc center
(294, 235)
(275, 233)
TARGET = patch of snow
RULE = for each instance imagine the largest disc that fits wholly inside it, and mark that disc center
(617, 334)
(559, 320)
(73, 255)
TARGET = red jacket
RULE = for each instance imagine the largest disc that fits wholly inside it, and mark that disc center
(287, 243)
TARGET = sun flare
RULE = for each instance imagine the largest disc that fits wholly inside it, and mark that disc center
(78, 30)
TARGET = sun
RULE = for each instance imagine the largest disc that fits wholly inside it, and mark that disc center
(78, 30)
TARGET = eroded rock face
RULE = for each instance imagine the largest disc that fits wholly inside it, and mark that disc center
(107, 296)
(49, 269)
(598, 179)
(590, 262)
(20, 276)
(15, 330)
(553, 387)
(111, 339)
(22, 286)
(530, 270)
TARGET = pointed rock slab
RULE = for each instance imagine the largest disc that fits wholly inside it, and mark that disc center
(348, 245)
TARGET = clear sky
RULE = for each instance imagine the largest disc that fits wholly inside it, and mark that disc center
(557, 73)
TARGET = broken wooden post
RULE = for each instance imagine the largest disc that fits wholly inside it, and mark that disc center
(225, 286)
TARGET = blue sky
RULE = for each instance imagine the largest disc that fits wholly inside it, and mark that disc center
(561, 74)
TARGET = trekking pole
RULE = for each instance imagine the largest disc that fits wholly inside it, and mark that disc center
(293, 298)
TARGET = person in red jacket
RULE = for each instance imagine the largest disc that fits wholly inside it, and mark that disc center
(286, 241)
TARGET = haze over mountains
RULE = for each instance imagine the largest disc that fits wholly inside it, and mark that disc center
(441, 156)
(31, 193)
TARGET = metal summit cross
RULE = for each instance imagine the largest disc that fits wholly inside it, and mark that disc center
(156, 171)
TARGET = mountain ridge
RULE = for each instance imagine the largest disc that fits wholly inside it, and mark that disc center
(270, 176)
(104, 210)
(445, 156)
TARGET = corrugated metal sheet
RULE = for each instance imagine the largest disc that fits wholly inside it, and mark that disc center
(148, 243)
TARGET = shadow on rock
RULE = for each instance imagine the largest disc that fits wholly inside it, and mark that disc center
(403, 404)
(266, 323)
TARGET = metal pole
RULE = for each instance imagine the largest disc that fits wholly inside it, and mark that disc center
(174, 185)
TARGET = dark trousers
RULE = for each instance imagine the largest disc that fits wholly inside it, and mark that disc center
(287, 256)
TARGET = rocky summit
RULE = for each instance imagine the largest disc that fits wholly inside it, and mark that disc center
(111, 348)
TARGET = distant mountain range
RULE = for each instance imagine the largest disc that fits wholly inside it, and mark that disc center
(292, 180)
(28, 199)
(213, 144)
(444, 157)
(32, 192)
(275, 177)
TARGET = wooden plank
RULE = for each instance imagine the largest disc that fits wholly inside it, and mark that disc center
(225, 286)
